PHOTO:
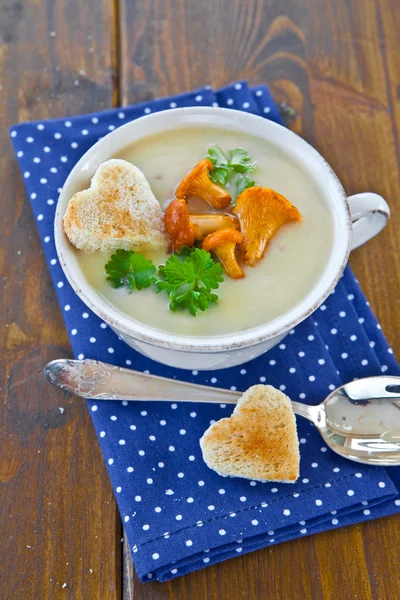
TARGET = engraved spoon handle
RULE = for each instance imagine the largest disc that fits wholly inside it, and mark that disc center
(96, 380)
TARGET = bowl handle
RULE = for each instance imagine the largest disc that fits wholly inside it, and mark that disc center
(369, 214)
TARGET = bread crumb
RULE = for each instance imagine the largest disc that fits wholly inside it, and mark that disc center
(64, 585)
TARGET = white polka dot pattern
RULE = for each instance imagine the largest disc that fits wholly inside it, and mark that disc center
(175, 509)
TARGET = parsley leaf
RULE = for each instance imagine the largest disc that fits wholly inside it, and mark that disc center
(243, 183)
(220, 172)
(217, 157)
(219, 175)
(189, 277)
(229, 171)
(130, 270)
(184, 252)
(240, 161)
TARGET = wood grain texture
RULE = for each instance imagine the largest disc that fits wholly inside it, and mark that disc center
(337, 62)
(58, 519)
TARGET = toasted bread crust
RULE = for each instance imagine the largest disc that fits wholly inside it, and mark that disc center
(119, 210)
(259, 441)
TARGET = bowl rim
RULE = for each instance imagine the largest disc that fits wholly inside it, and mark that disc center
(224, 342)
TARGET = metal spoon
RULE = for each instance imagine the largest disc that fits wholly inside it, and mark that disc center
(359, 420)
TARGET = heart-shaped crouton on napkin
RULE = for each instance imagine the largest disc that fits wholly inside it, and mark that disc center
(119, 210)
(259, 441)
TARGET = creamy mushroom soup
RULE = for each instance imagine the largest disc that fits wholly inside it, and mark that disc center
(293, 262)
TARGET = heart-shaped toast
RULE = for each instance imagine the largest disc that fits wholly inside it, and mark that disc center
(259, 441)
(119, 210)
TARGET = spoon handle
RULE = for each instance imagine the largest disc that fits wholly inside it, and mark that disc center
(96, 380)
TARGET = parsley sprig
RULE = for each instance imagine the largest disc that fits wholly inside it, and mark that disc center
(230, 170)
(130, 270)
(188, 277)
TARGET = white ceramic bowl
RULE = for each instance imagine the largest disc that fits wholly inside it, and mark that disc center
(368, 212)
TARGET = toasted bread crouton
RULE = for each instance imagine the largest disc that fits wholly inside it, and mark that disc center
(119, 210)
(259, 441)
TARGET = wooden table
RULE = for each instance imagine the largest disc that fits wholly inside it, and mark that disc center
(338, 63)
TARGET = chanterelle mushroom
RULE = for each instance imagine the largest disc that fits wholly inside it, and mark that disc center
(222, 243)
(261, 212)
(208, 223)
(177, 224)
(198, 183)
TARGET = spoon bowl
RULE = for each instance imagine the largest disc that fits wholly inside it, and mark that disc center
(359, 420)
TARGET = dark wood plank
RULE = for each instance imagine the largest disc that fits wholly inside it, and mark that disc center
(58, 518)
(350, 96)
(337, 63)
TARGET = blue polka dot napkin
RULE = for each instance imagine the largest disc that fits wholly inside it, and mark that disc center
(178, 514)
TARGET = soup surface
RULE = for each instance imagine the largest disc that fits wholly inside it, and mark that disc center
(292, 264)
